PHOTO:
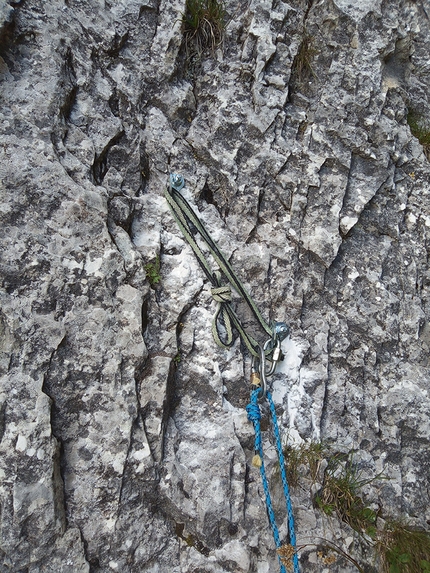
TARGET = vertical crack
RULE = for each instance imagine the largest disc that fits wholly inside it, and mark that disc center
(324, 407)
(2, 420)
(58, 461)
(100, 165)
(70, 85)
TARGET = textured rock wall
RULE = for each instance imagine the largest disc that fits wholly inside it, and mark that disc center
(124, 442)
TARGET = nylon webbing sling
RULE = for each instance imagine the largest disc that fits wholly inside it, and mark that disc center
(191, 225)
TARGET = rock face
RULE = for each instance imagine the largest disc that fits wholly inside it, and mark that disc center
(124, 439)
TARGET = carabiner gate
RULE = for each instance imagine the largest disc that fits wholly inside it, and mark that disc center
(258, 372)
(276, 356)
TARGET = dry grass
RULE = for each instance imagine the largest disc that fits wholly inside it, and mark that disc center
(304, 460)
(403, 550)
(302, 65)
(340, 495)
(204, 23)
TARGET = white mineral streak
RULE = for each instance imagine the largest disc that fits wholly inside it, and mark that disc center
(358, 10)
(125, 444)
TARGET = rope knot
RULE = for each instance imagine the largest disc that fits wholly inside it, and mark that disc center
(253, 411)
(221, 294)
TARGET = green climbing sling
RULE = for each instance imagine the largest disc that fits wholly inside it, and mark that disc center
(191, 225)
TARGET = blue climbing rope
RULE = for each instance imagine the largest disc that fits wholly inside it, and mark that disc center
(254, 416)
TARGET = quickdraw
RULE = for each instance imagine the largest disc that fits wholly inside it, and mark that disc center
(264, 357)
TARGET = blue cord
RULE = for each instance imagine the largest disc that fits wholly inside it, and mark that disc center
(254, 416)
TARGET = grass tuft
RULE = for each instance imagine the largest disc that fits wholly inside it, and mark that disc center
(204, 24)
(340, 495)
(400, 549)
(302, 66)
(307, 457)
(404, 550)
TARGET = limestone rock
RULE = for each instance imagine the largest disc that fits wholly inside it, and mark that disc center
(124, 439)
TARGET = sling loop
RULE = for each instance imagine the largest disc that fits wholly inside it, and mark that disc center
(191, 226)
(222, 331)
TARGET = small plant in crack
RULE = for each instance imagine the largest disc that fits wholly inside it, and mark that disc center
(342, 482)
(152, 271)
(204, 24)
(420, 128)
(302, 65)
(404, 550)
(398, 548)
(307, 457)
(340, 495)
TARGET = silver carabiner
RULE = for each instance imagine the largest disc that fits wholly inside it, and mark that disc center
(276, 356)
(259, 371)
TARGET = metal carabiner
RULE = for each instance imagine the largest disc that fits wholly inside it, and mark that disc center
(258, 372)
(276, 356)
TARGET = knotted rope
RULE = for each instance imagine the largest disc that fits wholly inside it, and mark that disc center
(221, 294)
(254, 416)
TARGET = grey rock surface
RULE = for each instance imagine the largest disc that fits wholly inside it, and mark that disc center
(125, 444)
